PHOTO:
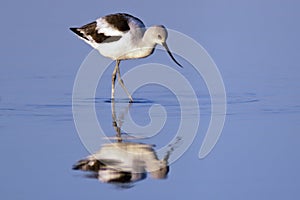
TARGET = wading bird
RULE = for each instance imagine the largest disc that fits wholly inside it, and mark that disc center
(120, 37)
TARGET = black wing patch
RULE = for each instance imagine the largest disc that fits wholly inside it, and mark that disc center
(90, 30)
(118, 21)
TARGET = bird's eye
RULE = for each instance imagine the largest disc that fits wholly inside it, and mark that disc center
(159, 37)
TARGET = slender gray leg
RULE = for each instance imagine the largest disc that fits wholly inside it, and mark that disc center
(113, 80)
(122, 82)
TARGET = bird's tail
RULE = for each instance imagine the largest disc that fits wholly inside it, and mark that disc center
(78, 32)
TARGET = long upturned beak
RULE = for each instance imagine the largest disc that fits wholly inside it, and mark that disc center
(169, 52)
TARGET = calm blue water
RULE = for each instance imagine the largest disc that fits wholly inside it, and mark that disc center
(255, 46)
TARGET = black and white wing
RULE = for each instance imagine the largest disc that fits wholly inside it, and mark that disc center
(108, 29)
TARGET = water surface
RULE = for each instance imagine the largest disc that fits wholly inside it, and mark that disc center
(255, 46)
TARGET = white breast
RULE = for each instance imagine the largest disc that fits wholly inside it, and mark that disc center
(125, 48)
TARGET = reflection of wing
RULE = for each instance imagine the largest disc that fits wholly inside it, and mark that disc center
(111, 162)
(119, 183)
(107, 170)
(88, 164)
(111, 175)
(93, 164)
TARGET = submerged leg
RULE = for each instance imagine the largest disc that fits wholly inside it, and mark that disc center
(122, 82)
(115, 121)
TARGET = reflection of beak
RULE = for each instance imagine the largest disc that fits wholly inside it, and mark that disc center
(169, 52)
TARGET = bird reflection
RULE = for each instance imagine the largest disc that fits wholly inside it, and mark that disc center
(124, 163)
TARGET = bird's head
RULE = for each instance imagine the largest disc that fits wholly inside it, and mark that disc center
(159, 35)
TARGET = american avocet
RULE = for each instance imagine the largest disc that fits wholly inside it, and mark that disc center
(120, 37)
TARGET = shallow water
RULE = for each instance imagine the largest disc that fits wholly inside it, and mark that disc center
(257, 154)
(256, 157)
